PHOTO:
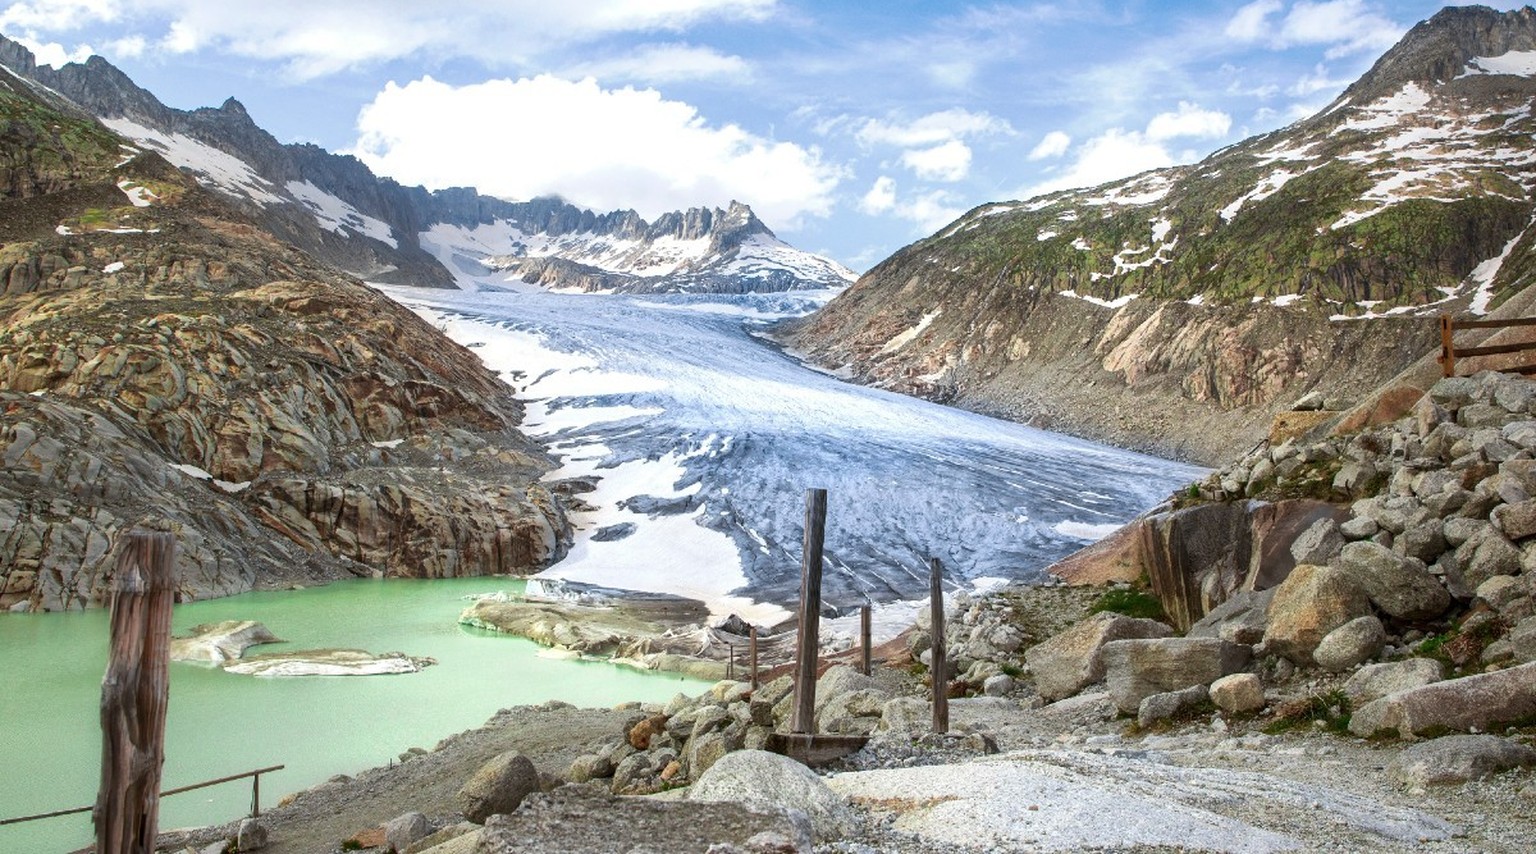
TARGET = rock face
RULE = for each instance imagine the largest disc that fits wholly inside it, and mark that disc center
(1202, 294)
(293, 423)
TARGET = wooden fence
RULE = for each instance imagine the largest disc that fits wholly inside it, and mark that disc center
(1450, 353)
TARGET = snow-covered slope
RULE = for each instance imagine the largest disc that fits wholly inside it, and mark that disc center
(700, 250)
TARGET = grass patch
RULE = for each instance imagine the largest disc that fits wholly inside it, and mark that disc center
(1331, 708)
(1131, 603)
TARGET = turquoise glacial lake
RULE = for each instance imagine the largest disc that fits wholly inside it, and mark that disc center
(221, 723)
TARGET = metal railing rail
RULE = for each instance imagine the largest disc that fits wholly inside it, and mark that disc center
(255, 795)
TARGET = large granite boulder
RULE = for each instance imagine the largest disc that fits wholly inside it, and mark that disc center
(1398, 585)
(1458, 759)
(1310, 603)
(498, 787)
(1473, 702)
(1070, 661)
(1375, 681)
(1137, 669)
(1354, 642)
(762, 780)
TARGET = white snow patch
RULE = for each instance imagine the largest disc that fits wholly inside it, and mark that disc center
(213, 167)
(63, 230)
(1081, 244)
(1045, 234)
(1483, 275)
(1286, 299)
(138, 195)
(387, 443)
(1266, 187)
(1389, 111)
(902, 339)
(1518, 62)
(1197, 299)
(115, 266)
(192, 471)
(1119, 302)
(336, 215)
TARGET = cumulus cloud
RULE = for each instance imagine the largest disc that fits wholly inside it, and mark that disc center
(1348, 26)
(881, 197)
(1053, 144)
(55, 54)
(948, 162)
(665, 63)
(315, 39)
(1120, 153)
(1189, 121)
(927, 211)
(603, 148)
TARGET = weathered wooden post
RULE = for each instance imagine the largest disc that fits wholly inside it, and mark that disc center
(752, 654)
(809, 638)
(1447, 347)
(939, 666)
(865, 633)
(134, 694)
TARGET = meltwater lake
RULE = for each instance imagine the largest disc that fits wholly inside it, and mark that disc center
(221, 723)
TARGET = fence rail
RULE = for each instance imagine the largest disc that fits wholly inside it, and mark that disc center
(1450, 353)
(255, 776)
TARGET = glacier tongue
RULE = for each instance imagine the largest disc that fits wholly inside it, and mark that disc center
(705, 439)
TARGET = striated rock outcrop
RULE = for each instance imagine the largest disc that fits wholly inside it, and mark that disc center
(162, 356)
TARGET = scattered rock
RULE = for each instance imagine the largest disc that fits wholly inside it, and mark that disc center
(1459, 759)
(1136, 669)
(1068, 662)
(1474, 702)
(251, 835)
(756, 778)
(1170, 704)
(498, 787)
(1239, 692)
(1375, 681)
(402, 831)
(1310, 603)
(1354, 642)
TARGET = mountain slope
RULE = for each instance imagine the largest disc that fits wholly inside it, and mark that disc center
(1218, 293)
(161, 355)
(335, 208)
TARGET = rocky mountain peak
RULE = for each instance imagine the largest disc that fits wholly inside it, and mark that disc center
(1439, 49)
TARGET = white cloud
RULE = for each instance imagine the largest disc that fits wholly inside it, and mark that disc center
(1189, 121)
(44, 16)
(604, 148)
(950, 161)
(1251, 22)
(1117, 153)
(665, 63)
(926, 211)
(129, 47)
(881, 197)
(1053, 144)
(315, 39)
(931, 129)
(55, 54)
(1317, 81)
(1349, 26)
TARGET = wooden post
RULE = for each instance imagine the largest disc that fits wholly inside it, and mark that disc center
(752, 654)
(730, 662)
(134, 695)
(865, 632)
(809, 638)
(940, 665)
(1447, 348)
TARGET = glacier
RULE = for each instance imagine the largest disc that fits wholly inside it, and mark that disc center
(704, 437)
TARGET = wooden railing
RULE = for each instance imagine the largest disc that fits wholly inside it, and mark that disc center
(1450, 353)
(255, 795)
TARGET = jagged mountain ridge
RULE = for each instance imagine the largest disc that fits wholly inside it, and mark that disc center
(1219, 292)
(334, 207)
(161, 355)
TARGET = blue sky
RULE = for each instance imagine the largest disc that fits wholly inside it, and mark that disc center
(852, 128)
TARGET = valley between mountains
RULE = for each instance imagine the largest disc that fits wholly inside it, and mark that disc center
(1269, 581)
